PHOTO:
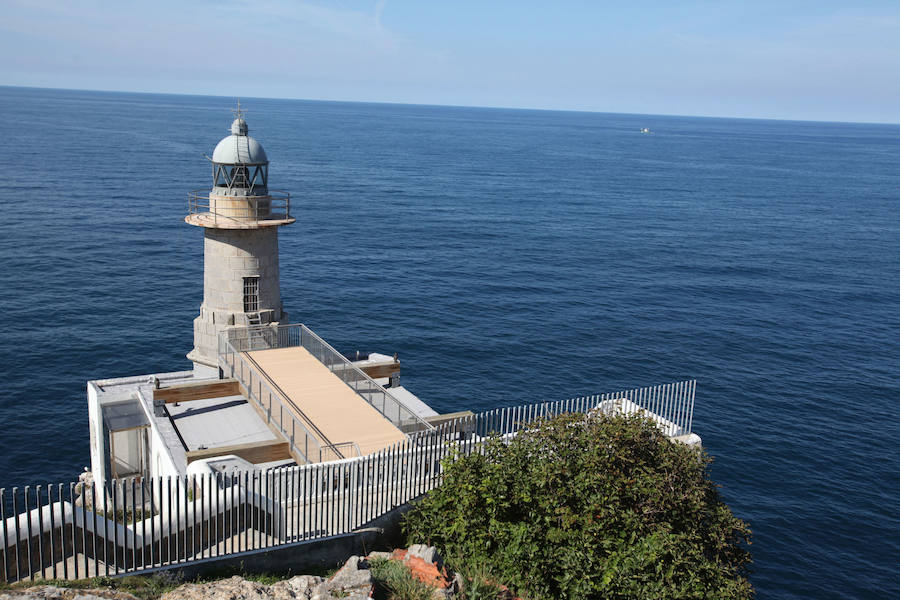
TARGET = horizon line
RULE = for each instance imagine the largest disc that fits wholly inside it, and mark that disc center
(523, 108)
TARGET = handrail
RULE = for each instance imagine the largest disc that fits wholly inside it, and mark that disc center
(671, 406)
(312, 450)
(274, 205)
(284, 336)
(287, 399)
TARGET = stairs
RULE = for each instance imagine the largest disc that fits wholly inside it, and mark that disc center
(258, 337)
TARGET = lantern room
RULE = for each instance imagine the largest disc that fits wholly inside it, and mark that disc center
(240, 165)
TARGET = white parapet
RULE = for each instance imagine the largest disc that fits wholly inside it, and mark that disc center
(624, 406)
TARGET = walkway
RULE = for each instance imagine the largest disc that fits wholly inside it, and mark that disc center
(337, 410)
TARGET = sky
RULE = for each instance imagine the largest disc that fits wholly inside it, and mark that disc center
(797, 59)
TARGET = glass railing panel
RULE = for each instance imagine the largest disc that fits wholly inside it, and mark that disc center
(282, 336)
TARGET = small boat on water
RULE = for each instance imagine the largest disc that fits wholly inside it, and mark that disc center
(646, 130)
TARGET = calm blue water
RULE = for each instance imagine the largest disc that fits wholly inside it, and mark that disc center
(508, 256)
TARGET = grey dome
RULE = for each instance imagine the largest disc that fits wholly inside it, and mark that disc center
(239, 148)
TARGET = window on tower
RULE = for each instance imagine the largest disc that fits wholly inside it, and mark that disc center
(251, 294)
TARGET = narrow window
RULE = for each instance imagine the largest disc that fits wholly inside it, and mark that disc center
(251, 294)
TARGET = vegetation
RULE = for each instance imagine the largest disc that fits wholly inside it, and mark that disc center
(394, 581)
(127, 517)
(580, 508)
(478, 586)
(146, 587)
(572, 509)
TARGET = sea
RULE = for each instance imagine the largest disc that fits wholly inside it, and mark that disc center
(507, 257)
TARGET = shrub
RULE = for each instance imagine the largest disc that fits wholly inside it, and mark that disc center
(477, 586)
(393, 577)
(583, 508)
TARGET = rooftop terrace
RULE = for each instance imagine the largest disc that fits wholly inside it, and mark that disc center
(287, 397)
(341, 415)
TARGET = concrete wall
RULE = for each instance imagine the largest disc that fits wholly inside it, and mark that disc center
(229, 256)
(162, 463)
(98, 443)
(305, 557)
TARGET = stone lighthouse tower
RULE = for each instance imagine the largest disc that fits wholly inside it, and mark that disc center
(240, 218)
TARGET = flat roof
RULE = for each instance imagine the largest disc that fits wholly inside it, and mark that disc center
(335, 408)
(217, 422)
(412, 402)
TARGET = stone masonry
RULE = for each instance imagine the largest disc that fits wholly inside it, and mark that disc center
(229, 256)
(240, 242)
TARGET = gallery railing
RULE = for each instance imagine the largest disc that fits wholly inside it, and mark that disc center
(273, 206)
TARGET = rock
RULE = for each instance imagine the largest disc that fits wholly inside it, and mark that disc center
(353, 581)
(234, 588)
(51, 592)
(427, 553)
(300, 586)
(458, 583)
(352, 575)
(354, 563)
(345, 594)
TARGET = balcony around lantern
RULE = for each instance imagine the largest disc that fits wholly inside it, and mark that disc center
(221, 210)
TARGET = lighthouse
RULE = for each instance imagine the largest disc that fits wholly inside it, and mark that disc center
(240, 217)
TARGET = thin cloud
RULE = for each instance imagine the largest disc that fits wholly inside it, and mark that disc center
(328, 19)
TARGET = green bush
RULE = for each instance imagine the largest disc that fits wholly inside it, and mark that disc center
(580, 508)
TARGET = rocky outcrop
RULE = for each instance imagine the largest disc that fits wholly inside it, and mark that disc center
(353, 581)
(51, 592)
(238, 588)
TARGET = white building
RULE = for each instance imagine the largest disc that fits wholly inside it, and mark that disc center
(262, 393)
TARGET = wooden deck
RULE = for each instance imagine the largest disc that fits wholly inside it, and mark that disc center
(340, 413)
